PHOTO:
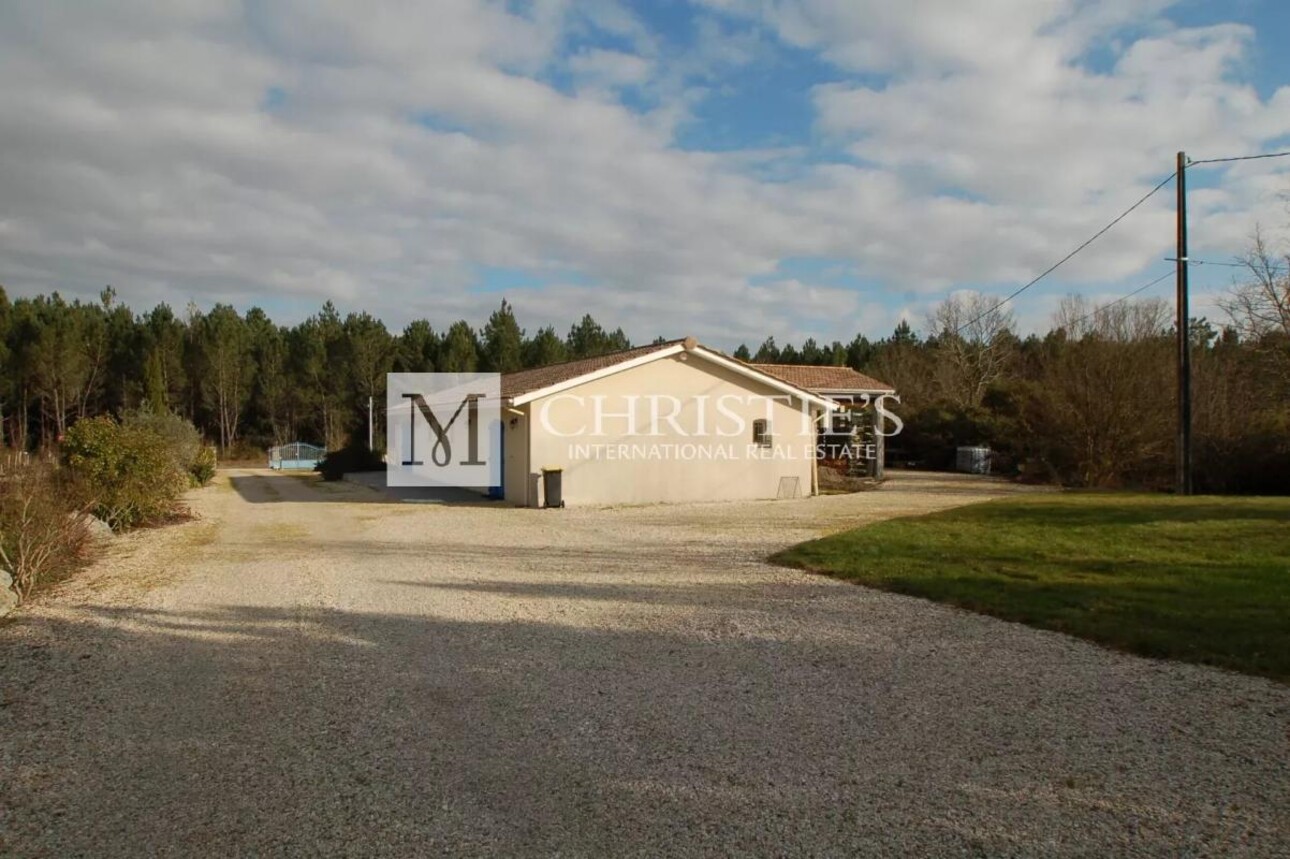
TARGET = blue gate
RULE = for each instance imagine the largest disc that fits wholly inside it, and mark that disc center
(296, 456)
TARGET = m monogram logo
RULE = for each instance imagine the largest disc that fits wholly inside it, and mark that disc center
(441, 454)
(455, 417)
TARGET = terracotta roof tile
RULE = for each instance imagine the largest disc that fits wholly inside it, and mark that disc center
(822, 379)
(526, 381)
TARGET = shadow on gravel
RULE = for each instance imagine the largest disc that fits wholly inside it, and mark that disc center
(255, 730)
(735, 598)
(271, 487)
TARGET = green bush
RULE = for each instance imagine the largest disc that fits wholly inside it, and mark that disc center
(182, 440)
(128, 472)
(353, 457)
(202, 471)
(181, 437)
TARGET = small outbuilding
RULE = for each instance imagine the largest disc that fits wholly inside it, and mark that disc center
(849, 389)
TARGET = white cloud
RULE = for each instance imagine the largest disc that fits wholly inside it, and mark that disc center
(610, 68)
(1068, 136)
(379, 155)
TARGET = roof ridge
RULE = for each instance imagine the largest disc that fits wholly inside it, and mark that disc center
(598, 357)
(523, 382)
(534, 378)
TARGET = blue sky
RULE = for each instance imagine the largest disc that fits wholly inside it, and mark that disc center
(728, 168)
(1269, 63)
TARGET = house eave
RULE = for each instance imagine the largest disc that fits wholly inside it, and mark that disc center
(690, 348)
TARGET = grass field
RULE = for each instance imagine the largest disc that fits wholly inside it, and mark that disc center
(1201, 579)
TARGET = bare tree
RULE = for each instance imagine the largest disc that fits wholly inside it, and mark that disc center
(974, 346)
(1260, 307)
(1123, 322)
(1104, 400)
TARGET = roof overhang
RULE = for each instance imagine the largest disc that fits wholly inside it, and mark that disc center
(737, 367)
(603, 372)
(851, 392)
(743, 369)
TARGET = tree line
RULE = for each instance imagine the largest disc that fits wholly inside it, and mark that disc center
(1090, 402)
(243, 380)
(1093, 401)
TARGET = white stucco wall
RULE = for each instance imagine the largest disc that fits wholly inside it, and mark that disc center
(599, 470)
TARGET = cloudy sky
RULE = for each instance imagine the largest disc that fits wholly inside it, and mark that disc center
(723, 168)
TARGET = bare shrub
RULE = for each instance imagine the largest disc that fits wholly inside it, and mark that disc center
(1102, 406)
(43, 535)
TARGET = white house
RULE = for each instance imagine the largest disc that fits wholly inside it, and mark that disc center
(668, 422)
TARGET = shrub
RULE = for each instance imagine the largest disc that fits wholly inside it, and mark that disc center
(353, 457)
(43, 536)
(128, 472)
(182, 440)
(181, 437)
(202, 471)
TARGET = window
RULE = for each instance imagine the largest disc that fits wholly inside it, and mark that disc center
(761, 433)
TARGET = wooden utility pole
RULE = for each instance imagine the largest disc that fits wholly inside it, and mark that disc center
(1184, 481)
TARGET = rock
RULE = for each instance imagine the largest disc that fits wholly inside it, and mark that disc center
(8, 598)
(97, 528)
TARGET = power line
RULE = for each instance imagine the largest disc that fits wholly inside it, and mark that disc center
(1239, 158)
(1066, 258)
(1121, 299)
(1117, 220)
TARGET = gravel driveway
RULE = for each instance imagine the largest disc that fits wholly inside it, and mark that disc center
(309, 670)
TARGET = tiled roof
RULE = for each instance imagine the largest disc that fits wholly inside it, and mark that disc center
(823, 379)
(525, 381)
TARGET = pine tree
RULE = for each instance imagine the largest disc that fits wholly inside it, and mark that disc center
(544, 348)
(904, 334)
(768, 352)
(503, 341)
(587, 339)
(460, 351)
(417, 348)
(154, 385)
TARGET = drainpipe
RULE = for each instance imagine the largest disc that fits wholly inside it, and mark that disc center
(815, 459)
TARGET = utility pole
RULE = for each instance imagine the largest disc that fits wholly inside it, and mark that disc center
(369, 423)
(1184, 482)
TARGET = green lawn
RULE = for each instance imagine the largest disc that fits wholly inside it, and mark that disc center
(1202, 579)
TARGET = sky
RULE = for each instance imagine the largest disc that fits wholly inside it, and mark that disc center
(728, 169)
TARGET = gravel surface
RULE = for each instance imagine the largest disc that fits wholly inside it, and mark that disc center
(310, 670)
